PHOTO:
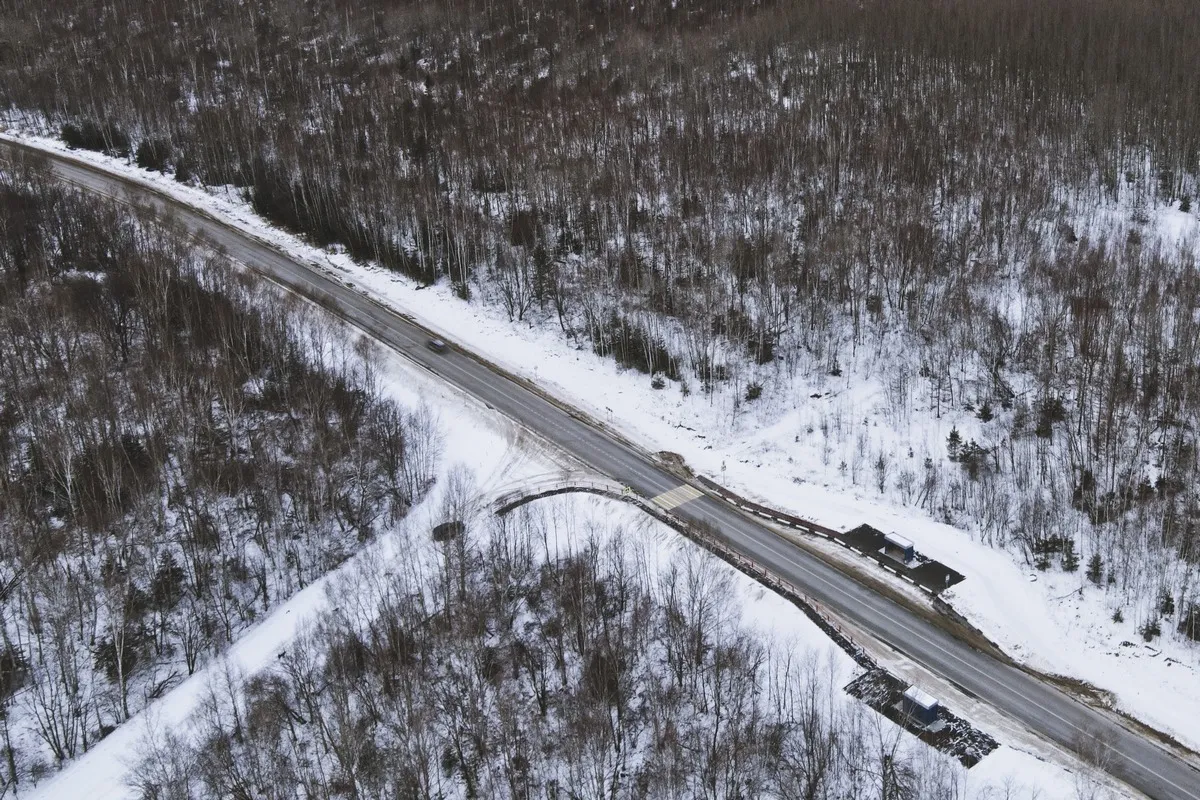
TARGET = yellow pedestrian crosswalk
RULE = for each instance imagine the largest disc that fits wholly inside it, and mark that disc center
(676, 497)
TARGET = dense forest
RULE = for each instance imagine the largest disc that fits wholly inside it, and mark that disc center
(955, 199)
(179, 452)
(511, 667)
(955, 195)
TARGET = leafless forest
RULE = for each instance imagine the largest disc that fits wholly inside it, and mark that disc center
(509, 670)
(713, 190)
(727, 195)
(178, 453)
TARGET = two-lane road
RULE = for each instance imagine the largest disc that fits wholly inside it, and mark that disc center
(1138, 761)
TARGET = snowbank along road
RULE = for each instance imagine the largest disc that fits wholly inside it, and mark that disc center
(1142, 763)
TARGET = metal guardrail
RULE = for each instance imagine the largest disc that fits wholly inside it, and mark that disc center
(796, 523)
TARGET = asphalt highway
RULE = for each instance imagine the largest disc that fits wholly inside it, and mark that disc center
(1137, 760)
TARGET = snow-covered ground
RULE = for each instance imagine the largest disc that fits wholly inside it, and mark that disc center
(100, 773)
(1025, 773)
(776, 451)
(499, 460)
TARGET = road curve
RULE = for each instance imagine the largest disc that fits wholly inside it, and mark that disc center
(1132, 758)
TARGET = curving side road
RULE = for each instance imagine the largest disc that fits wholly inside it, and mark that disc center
(1138, 761)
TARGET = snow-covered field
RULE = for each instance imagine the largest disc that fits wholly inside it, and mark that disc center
(775, 451)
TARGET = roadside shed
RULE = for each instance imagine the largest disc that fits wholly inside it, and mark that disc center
(898, 547)
(920, 706)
